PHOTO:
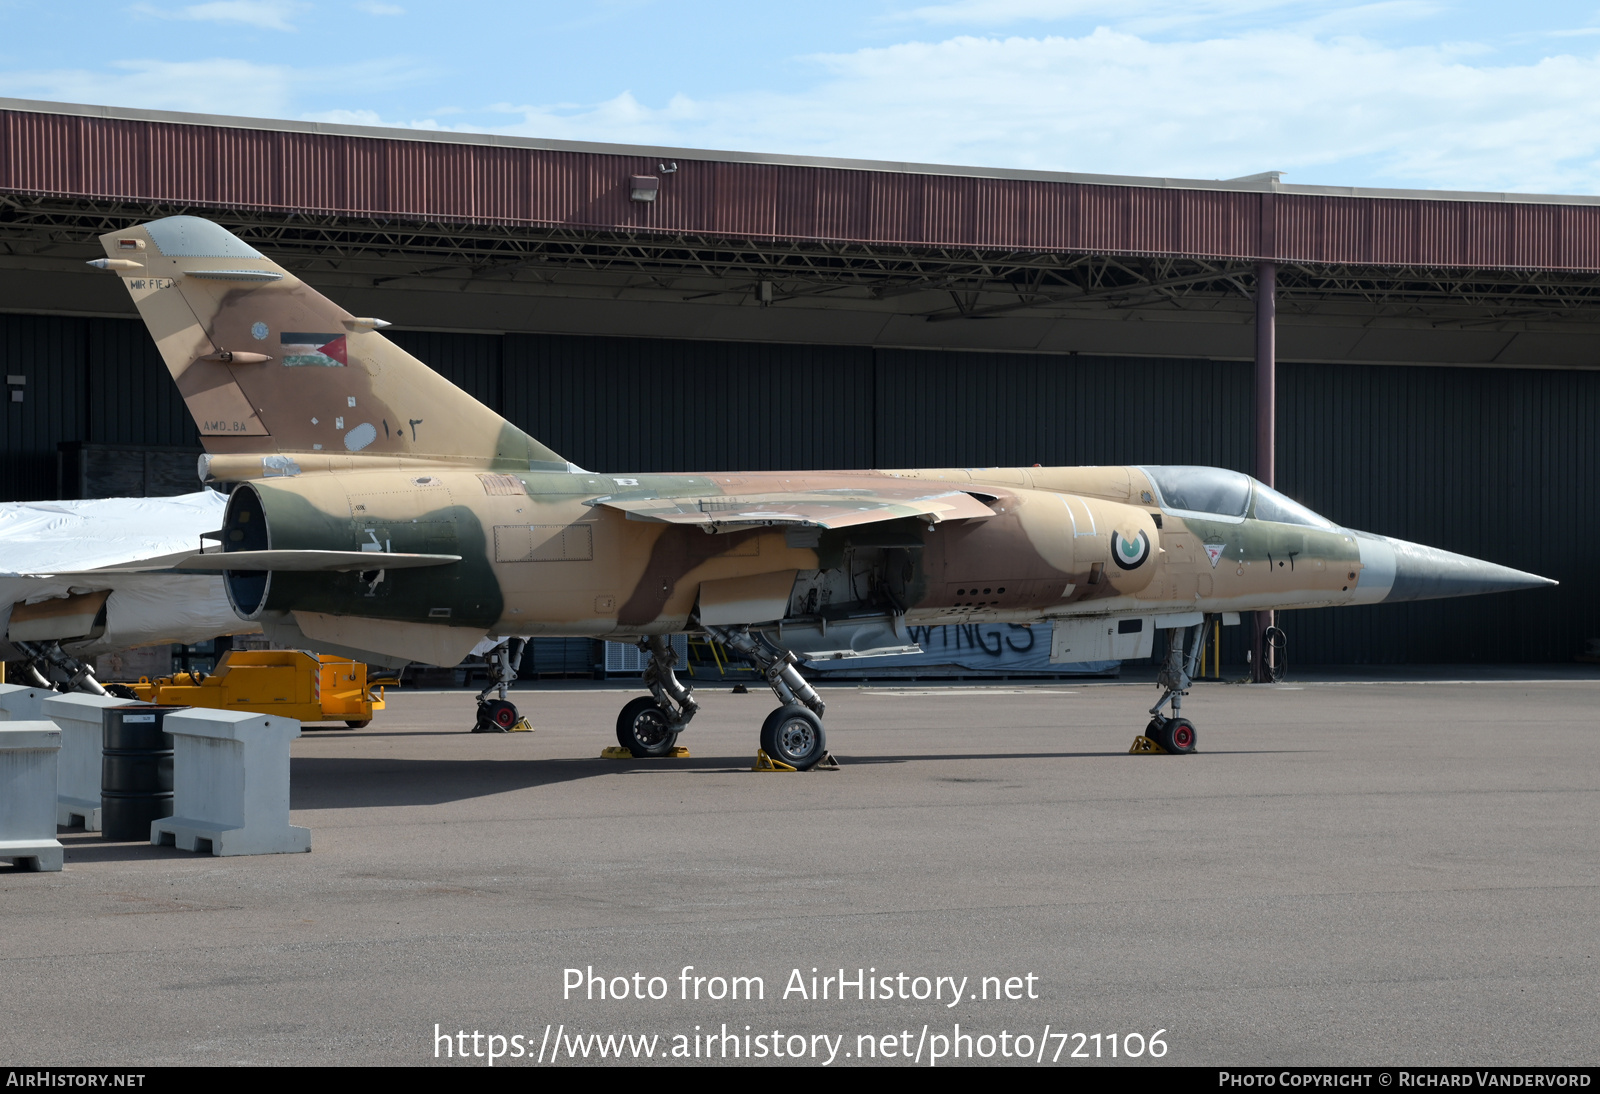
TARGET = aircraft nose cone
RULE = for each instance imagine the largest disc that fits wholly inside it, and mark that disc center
(1415, 572)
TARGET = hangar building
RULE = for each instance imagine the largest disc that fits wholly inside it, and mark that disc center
(1431, 359)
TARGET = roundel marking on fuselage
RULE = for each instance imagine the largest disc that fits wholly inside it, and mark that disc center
(1130, 553)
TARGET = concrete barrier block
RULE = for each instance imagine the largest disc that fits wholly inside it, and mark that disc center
(19, 703)
(230, 792)
(79, 717)
(28, 753)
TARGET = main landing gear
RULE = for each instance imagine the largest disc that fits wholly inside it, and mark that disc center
(48, 665)
(793, 733)
(1177, 734)
(650, 724)
(500, 715)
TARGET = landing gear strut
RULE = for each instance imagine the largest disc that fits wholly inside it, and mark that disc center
(1177, 734)
(500, 715)
(650, 724)
(793, 733)
(42, 657)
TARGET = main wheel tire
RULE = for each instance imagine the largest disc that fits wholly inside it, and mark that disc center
(1157, 732)
(794, 736)
(361, 724)
(496, 716)
(1180, 736)
(644, 729)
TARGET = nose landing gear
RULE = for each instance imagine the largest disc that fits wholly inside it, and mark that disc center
(500, 715)
(1176, 734)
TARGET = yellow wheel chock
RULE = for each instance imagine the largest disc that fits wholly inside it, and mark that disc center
(1144, 746)
(767, 763)
(522, 725)
(617, 752)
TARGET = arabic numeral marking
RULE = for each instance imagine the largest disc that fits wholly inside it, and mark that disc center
(1155, 1039)
(1083, 1039)
(1127, 1046)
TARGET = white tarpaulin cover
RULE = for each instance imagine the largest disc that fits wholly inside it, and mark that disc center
(43, 537)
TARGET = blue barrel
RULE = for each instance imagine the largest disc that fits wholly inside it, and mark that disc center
(135, 770)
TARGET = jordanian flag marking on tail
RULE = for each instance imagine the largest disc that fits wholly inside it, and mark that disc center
(320, 350)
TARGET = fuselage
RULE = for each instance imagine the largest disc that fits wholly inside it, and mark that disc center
(547, 553)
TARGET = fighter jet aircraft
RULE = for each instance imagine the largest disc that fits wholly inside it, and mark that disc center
(380, 512)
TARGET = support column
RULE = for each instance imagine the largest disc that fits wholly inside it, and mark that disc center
(1266, 424)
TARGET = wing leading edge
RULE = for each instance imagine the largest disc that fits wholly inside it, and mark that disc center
(819, 508)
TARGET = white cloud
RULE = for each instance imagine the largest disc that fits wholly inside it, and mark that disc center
(372, 7)
(1318, 102)
(1213, 18)
(221, 85)
(218, 86)
(1323, 109)
(265, 14)
(365, 117)
(1005, 12)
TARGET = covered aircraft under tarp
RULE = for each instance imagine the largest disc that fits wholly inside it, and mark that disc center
(55, 608)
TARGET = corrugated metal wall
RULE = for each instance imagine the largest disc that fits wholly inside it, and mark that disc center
(219, 167)
(937, 408)
(51, 354)
(642, 404)
(1496, 463)
(472, 362)
(130, 397)
(94, 380)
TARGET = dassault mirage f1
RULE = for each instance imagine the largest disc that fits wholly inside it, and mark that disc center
(380, 512)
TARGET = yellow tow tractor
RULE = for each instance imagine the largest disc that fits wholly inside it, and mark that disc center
(306, 686)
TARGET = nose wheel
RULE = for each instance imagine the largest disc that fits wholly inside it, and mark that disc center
(500, 715)
(1175, 735)
(496, 716)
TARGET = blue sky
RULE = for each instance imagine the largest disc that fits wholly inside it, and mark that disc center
(1412, 93)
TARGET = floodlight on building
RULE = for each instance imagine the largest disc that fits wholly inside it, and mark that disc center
(643, 187)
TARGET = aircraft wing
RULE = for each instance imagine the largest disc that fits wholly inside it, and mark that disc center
(820, 508)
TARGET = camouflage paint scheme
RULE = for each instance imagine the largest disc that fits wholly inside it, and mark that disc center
(342, 441)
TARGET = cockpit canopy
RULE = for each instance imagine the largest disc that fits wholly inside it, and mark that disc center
(1231, 495)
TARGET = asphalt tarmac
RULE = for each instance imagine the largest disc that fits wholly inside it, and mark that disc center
(1347, 873)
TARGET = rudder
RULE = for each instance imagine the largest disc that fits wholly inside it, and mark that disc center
(266, 364)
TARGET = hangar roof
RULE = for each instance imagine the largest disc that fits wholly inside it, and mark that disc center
(100, 152)
(872, 252)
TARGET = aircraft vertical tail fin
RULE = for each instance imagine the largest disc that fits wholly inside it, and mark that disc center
(266, 364)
